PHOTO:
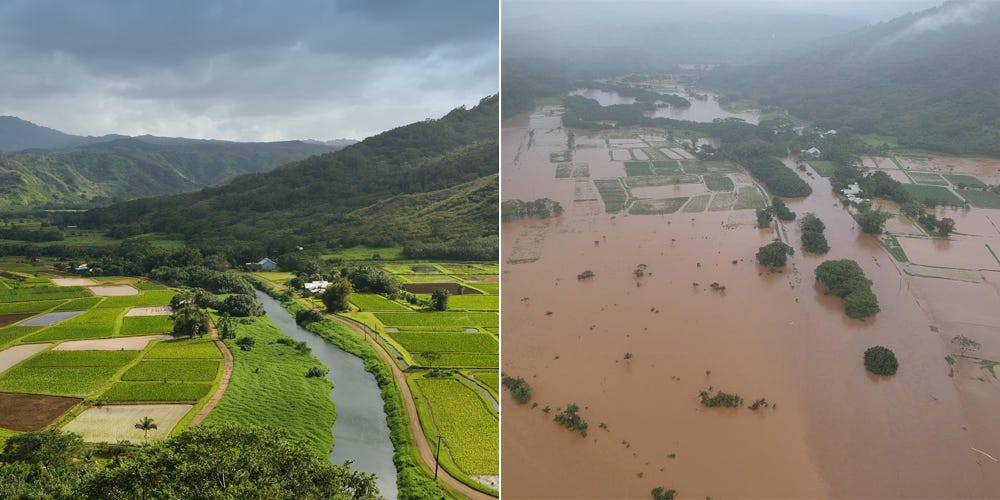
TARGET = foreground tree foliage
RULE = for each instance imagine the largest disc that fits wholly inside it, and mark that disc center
(881, 361)
(845, 279)
(219, 462)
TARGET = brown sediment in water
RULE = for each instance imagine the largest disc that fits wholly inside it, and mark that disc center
(836, 431)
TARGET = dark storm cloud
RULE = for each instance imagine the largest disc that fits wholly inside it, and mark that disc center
(198, 62)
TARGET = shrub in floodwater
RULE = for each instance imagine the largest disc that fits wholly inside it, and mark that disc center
(659, 493)
(881, 361)
(519, 389)
(584, 275)
(569, 419)
(720, 398)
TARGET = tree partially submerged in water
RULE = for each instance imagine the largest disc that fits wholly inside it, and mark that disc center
(774, 254)
(542, 208)
(845, 279)
(569, 419)
(871, 221)
(519, 389)
(813, 239)
(881, 361)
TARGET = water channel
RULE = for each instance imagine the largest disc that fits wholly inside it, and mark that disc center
(360, 432)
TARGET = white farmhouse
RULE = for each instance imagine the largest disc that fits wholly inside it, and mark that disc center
(315, 287)
(813, 152)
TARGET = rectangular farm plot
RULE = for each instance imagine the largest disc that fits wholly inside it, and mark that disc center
(375, 302)
(112, 344)
(416, 342)
(185, 349)
(657, 206)
(185, 370)
(10, 319)
(95, 323)
(444, 319)
(927, 178)
(149, 298)
(78, 381)
(34, 306)
(487, 378)
(620, 155)
(32, 412)
(14, 355)
(698, 203)
(113, 423)
(56, 358)
(488, 288)
(962, 254)
(638, 168)
(937, 194)
(474, 302)
(49, 319)
(469, 427)
(42, 293)
(613, 194)
(719, 182)
(156, 391)
(748, 197)
(434, 359)
(965, 180)
(982, 199)
(80, 304)
(145, 325)
(722, 201)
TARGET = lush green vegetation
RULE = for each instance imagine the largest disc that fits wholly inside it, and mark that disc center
(376, 302)
(613, 193)
(449, 319)
(965, 181)
(720, 398)
(780, 210)
(845, 279)
(470, 428)
(774, 254)
(474, 302)
(542, 208)
(145, 325)
(719, 182)
(881, 361)
(519, 389)
(148, 298)
(269, 387)
(80, 358)
(184, 349)
(813, 239)
(656, 207)
(982, 199)
(79, 381)
(932, 195)
(187, 370)
(255, 462)
(456, 359)
(570, 419)
(155, 391)
(42, 293)
(416, 342)
(871, 221)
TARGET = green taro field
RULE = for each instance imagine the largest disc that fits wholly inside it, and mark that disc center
(465, 420)
(98, 363)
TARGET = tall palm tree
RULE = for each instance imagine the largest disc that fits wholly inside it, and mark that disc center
(146, 425)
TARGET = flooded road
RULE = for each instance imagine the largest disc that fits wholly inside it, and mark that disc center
(834, 429)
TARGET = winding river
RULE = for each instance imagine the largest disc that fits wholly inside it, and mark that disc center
(360, 432)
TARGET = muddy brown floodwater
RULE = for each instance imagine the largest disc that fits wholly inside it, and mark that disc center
(835, 430)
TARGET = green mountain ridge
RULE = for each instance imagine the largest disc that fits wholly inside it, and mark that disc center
(928, 78)
(123, 169)
(429, 183)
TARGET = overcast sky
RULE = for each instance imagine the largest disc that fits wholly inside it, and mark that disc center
(253, 70)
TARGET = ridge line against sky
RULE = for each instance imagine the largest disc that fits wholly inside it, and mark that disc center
(244, 70)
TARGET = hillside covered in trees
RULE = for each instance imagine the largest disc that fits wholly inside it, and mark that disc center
(129, 168)
(431, 186)
(928, 78)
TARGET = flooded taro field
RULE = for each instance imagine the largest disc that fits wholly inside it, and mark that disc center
(634, 352)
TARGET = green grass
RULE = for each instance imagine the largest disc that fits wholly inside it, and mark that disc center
(878, 140)
(474, 302)
(269, 387)
(149, 285)
(982, 199)
(749, 197)
(81, 358)
(189, 370)
(46, 293)
(149, 298)
(469, 427)
(455, 319)
(921, 193)
(657, 207)
(823, 168)
(694, 167)
(11, 333)
(146, 325)
(966, 180)
(698, 203)
(28, 307)
(666, 167)
(662, 180)
(416, 342)
(80, 304)
(927, 178)
(612, 193)
(275, 276)
(458, 360)
(78, 381)
(375, 302)
(155, 391)
(719, 182)
(184, 349)
(95, 323)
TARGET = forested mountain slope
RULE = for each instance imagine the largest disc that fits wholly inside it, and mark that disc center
(125, 169)
(427, 184)
(932, 79)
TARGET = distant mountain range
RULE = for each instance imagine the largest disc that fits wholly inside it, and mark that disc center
(431, 185)
(931, 79)
(52, 169)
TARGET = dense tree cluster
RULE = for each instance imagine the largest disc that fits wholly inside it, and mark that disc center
(371, 279)
(881, 361)
(774, 254)
(813, 239)
(542, 208)
(570, 419)
(519, 389)
(780, 210)
(337, 295)
(845, 279)
(871, 221)
(944, 226)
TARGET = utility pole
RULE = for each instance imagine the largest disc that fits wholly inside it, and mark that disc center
(436, 454)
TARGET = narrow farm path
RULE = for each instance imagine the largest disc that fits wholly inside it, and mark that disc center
(227, 372)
